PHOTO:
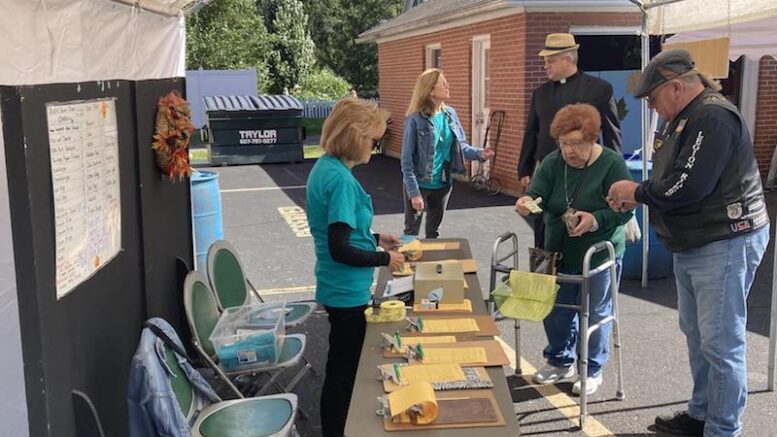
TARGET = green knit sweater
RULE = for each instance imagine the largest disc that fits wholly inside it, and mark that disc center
(548, 182)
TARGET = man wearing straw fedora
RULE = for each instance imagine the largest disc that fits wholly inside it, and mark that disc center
(566, 85)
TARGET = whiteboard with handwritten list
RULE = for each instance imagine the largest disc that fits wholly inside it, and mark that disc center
(83, 144)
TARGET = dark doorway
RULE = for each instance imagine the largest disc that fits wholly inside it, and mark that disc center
(613, 52)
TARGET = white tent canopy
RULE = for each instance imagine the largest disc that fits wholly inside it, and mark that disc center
(51, 41)
(665, 17)
(753, 39)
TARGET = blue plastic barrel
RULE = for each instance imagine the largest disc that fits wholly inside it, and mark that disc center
(206, 208)
(659, 258)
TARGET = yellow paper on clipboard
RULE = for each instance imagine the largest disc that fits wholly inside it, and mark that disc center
(440, 245)
(412, 341)
(469, 355)
(444, 372)
(417, 393)
(432, 326)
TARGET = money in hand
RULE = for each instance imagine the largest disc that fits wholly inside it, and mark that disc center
(534, 206)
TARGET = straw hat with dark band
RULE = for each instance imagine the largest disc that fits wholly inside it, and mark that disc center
(556, 43)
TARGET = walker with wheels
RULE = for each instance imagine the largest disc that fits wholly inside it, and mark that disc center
(498, 266)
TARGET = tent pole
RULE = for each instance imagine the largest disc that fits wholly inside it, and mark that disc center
(772, 329)
(645, 136)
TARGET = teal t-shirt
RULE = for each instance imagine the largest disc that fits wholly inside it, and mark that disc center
(334, 195)
(442, 153)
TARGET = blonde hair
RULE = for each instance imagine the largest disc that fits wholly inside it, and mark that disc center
(350, 124)
(422, 100)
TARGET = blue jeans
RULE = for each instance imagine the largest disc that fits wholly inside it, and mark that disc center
(562, 324)
(713, 282)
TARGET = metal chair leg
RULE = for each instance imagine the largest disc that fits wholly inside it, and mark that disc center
(518, 370)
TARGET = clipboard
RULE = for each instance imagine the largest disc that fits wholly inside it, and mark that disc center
(495, 355)
(482, 375)
(486, 325)
(458, 409)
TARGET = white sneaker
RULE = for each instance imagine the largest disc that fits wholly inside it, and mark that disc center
(591, 385)
(550, 374)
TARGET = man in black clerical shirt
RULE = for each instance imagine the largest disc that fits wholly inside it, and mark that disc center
(567, 85)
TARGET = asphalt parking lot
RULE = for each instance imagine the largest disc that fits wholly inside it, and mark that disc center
(263, 210)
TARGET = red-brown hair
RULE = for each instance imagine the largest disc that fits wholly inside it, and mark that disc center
(580, 116)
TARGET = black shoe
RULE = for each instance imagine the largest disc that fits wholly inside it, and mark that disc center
(680, 423)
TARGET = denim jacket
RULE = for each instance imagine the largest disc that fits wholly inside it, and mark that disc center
(153, 407)
(418, 149)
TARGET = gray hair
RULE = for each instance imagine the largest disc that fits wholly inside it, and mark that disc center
(701, 78)
(573, 56)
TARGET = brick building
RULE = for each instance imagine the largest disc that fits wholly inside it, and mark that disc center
(488, 51)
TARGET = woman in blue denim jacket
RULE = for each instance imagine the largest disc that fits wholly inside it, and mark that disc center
(434, 146)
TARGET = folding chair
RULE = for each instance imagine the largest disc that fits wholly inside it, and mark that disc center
(228, 279)
(271, 415)
(87, 421)
(202, 313)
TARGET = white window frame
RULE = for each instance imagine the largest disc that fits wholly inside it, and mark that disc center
(430, 49)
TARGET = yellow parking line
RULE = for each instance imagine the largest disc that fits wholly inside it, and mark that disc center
(290, 290)
(296, 219)
(563, 403)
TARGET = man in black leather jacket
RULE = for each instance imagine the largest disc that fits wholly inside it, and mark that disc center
(708, 208)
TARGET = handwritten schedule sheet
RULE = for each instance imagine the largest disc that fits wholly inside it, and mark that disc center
(83, 145)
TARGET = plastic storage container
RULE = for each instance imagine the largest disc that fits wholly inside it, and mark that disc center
(249, 336)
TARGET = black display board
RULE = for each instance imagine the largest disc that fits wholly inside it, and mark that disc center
(86, 339)
(165, 213)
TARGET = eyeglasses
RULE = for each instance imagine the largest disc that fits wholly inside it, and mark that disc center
(651, 98)
(376, 142)
(571, 144)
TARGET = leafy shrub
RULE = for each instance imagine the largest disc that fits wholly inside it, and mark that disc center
(322, 84)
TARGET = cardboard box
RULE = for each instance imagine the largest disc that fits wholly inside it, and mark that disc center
(444, 279)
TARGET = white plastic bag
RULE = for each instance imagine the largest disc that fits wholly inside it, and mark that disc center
(633, 234)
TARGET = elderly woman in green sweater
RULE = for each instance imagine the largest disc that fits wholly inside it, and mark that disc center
(573, 182)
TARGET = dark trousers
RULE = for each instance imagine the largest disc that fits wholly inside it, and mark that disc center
(435, 203)
(539, 230)
(346, 335)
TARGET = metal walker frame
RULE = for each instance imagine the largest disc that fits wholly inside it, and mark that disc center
(498, 267)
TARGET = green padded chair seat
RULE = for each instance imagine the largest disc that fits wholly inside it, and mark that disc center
(292, 349)
(253, 417)
(298, 312)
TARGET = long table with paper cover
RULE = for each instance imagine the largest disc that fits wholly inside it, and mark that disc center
(363, 419)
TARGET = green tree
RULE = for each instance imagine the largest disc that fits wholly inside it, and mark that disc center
(323, 84)
(227, 34)
(335, 25)
(291, 57)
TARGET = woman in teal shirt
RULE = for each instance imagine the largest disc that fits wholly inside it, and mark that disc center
(433, 147)
(575, 180)
(340, 216)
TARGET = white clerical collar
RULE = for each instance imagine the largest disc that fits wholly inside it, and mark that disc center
(563, 81)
